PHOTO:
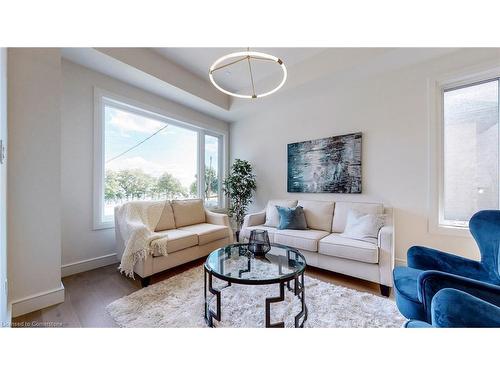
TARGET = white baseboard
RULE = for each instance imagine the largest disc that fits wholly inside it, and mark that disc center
(37, 301)
(400, 262)
(88, 264)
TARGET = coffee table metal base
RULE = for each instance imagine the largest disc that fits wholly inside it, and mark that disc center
(298, 289)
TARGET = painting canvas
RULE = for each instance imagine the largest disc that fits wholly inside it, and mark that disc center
(327, 165)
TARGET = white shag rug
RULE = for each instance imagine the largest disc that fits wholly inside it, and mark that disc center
(178, 302)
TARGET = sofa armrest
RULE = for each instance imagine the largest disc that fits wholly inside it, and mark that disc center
(257, 218)
(386, 254)
(219, 219)
(216, 218)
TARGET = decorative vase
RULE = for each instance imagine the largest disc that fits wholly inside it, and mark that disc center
(258, 243)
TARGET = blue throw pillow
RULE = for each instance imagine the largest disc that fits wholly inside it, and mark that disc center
(291, 218)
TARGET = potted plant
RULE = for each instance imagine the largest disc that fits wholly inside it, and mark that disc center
(239, 186)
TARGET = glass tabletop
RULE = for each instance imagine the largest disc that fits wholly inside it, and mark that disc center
(238, 264)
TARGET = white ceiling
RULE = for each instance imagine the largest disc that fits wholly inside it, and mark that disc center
(237, 77)
(181, 74)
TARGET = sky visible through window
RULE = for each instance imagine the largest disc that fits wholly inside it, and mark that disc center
(173, 151)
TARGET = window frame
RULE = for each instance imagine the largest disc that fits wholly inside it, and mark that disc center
(220, 166)
(437, 88)
(103, 98)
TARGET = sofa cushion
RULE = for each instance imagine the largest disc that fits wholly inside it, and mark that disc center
(188, 212)
(347, 248)
(291, 218)
(245, 232)
(272, 216)
(342, 208)
(300, 239)
(176, 240)
(319, 214)
(166, 218)
(207, 232)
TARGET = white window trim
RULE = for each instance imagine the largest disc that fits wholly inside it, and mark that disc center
(100, 98)
(436, 88)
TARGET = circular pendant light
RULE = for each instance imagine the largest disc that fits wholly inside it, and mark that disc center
(222, 63)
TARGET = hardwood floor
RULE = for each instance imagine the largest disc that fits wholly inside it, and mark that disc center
(88, 293)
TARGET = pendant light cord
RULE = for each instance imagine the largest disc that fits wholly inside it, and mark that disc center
(251, 73)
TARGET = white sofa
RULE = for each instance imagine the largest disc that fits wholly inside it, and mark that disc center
(191, 232)
(321, 244)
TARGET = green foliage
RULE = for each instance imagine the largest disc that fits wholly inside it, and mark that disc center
(193, 188)
(130, 184)
(211, 182)
(239, 187)
(133, 183)
(111, 188)
(170, 186)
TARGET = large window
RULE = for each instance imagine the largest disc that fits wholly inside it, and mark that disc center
(470, 151)
(142, 155)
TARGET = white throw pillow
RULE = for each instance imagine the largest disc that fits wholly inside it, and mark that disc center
(364, 227)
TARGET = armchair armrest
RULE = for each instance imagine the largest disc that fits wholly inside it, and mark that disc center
(219, 219)
(457, 309)
(429, 283)
(425, 258)
(257, 218)
(386, 254)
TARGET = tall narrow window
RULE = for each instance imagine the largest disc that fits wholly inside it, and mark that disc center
(212, 171)
(471, 151)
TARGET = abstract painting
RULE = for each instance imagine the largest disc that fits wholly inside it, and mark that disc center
(327, 165)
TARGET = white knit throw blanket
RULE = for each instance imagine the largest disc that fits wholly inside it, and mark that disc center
(137, 224)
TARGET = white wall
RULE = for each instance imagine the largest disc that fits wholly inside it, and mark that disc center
(3, 190)
(391, 109)
(81, 245)
(34, 179)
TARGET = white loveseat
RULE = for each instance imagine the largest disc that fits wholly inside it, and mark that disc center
(190, 232)
(321, 244)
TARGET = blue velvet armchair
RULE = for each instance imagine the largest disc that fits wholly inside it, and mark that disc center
(431, 270)
(452, 308)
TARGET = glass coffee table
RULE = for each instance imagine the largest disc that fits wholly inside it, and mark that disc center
(236, 264)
